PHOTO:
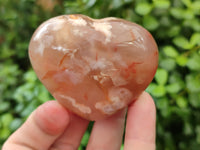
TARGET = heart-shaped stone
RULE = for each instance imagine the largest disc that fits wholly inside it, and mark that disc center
(93, 67)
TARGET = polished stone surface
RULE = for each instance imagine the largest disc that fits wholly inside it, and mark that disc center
(93, 67)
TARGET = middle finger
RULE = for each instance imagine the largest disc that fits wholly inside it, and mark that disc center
(107, 134)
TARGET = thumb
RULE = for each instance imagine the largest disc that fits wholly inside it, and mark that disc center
(41, 129)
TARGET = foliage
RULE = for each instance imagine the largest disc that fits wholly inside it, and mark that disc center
(175, 26)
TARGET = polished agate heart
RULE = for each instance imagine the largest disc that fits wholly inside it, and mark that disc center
(93, 67)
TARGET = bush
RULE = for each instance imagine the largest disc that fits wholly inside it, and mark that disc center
(175, 26)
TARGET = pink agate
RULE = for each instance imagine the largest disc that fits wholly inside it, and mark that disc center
(93, 67)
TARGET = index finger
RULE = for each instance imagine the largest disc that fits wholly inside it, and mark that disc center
(141, 124)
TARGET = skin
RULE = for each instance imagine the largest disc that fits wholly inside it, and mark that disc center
(52, 127)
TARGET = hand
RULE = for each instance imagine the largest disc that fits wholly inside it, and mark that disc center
(52, 127)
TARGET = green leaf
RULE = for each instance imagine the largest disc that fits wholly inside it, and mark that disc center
(194, 62)
(193, 82)
(187, 2)
(196, 6)
(41, 93)
(197, 129)
(151, 87)
(90, 3)
(176, 77)
(122, 147)
(182, 102)
(81, 148)
(192, 23)
(161, 76)
(195, 39)
(174, 87)
(143, 8)
(27, 111)
(170, 51)
(159, 91)
(30, 76)
(85, 138)
(188, 14)
(188, 129)
(168, 64)
(4, 106)
(4, 133)
(6, 119)
(181, 60)
(194, 99)
(116, 4)
(150, 22)
(182, 42)
(162, 103)
(24, 92)
(15, 124)
(19, 107)
(174, 31)
(161, 4)
(177, 12)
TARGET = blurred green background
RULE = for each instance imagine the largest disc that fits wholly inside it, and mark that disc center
(175, 25)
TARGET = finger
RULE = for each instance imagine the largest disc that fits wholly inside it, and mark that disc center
(41, 129)
(107, 134)
(71, 138)
(140, 128)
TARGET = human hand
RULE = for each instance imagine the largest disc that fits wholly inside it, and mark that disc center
(52, 127)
